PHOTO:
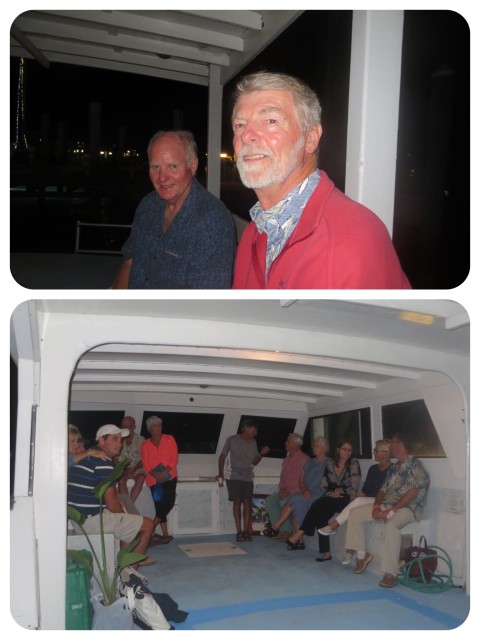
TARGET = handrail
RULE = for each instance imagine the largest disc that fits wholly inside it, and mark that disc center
(96, 224)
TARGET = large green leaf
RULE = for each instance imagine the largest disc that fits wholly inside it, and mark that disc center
(129, 547)
(126, 559)
(101, 487)
(81, 557)
(75, 515)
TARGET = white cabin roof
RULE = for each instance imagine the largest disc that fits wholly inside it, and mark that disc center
(298, 351)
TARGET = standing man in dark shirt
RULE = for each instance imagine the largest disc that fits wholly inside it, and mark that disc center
(83, 478)
(182, 237)
(244, 455)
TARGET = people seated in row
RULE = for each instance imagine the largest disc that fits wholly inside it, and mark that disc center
(82, 478)
(374, 480)
(341, 482)
(310, 488)
(292, 468)
(134, 470)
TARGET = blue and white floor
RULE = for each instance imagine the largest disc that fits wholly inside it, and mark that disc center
(271, 588)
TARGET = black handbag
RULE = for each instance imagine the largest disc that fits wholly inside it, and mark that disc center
(421, 561)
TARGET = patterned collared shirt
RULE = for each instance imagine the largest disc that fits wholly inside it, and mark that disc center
(402, 476)
(280, 221)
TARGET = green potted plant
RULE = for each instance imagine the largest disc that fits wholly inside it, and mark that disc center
(125, 557)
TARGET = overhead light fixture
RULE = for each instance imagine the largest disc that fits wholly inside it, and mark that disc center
(417, 318)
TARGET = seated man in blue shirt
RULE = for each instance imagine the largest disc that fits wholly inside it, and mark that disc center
(85, 475)
(182, 237)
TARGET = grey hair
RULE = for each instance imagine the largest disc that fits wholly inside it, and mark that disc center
(323, 441)
(152, 420)
(297, 437)
(185, 137)
(307, 104)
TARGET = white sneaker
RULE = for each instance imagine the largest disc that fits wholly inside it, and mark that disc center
(327, 531)
(347, 558)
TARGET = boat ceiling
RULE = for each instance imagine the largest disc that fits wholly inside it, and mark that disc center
(294, 374)
(174, 45)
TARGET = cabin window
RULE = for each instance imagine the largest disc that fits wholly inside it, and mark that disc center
(90, 421)
(413, 419)
(193, 432)
(272, 432)
(354, 425)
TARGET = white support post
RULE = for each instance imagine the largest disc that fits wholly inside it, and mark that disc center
(375, 69)
(215, 93)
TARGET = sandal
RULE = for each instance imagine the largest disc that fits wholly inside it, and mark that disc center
(270, 532)
(240, 536)
(295, 546)
(247, 537)
(147, 562)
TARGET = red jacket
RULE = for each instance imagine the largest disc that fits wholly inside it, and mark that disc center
(337, 244)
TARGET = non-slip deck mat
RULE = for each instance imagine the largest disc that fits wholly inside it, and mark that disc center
(208, 549)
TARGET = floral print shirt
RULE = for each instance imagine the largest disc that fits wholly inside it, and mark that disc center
(348, 479)
(402, 476)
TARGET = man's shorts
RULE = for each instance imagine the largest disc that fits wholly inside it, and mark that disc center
(239, 490)
(124, 526)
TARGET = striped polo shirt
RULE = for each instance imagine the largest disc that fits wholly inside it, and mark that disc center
(82, 478)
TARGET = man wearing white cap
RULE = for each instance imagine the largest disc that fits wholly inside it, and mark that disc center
(86, 474)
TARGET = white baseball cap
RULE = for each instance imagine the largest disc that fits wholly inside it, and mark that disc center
(111, 430)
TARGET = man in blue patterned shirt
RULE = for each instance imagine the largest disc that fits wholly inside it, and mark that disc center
(183, 237)
(399, 502)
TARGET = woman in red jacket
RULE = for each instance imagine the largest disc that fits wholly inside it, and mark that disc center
(160, 458)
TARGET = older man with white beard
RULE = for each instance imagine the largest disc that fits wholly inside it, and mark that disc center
(305, 233)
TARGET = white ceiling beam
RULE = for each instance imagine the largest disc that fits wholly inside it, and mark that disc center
(261, 356)
(246, 19)
(134, 22)
(274, 23)
(38, 27)
(122, 57)
(85, 366)
(218, 391)
(227, 382)
(26, 42)
(457, 321)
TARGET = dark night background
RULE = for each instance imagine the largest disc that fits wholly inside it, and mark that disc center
(432, 208)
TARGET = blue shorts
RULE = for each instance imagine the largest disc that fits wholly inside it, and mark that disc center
(239, 490)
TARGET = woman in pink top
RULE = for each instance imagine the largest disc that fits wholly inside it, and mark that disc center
(160, 458)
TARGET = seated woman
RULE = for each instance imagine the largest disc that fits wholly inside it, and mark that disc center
(373, 482)
(76, 447)
(340, 481)
(311, 488)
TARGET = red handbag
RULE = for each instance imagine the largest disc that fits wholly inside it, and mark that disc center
(422, 560)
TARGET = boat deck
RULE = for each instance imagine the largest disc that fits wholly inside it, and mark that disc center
(271, 588)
